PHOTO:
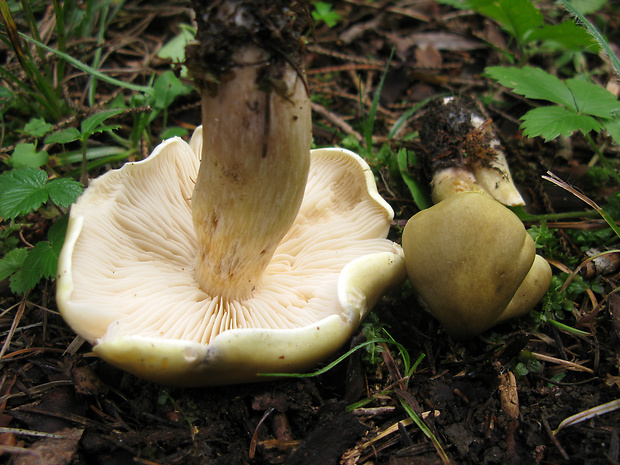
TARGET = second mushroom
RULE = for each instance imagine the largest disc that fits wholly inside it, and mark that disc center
(469, 257)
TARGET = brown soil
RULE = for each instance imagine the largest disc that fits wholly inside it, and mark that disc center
(478, 412)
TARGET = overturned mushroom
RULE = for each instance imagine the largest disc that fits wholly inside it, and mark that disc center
(473, 263)
(468, 257)
(211, 262)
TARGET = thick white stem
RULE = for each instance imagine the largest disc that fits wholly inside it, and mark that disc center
(253, 173)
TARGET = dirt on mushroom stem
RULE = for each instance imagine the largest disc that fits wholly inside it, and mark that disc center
(224, 27)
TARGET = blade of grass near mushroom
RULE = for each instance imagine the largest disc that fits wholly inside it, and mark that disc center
(242, 252)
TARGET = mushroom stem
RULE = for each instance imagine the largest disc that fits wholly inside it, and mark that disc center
(253, 172)
(464, 154)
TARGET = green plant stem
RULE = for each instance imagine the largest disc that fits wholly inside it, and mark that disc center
(568, 329)
(526, 217)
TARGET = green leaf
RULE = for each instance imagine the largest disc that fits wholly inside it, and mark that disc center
(567, 36)
(551, 122)
(64, 136)
(90, 124)
(64, 191)
(612, 126)
(107, 127)
(175, 48)
(12, 262)
(323, 12)
(26, 156)
(592, 99)
(533, 83)
(57, 232)
(172, 132)
(518, 17)
(37, 127)
(22, 191)
(418, 189)
(167, 88)
(41, 262)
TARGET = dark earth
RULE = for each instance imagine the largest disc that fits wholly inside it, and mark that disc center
(477, 402)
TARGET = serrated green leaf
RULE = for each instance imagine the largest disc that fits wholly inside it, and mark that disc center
(592, 99)
(63, 191)
(105, 127)
(12, 262)
(22, 191)
(37, 127)
(16, 283)
(567, 36)
(26, 156)
(64, 137)
(41, 262)
(89, 125)
(533, 83)
(551, 122)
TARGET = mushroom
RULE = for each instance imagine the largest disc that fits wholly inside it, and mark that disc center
(242, 252)
(473, 264)
(469, 257)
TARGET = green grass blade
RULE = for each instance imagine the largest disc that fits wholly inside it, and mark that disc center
(62, 38)
(425, 429)
(326, 368)
(372, 112)
(87, 69)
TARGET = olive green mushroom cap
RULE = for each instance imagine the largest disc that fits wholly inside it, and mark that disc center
(126, 278)
(473, 264)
